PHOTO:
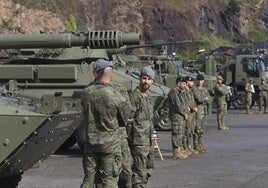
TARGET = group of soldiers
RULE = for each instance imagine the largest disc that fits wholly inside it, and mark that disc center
(263, 96)
(118, 150)
(188, 108)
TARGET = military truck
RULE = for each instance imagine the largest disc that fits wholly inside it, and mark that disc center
(236, 71)
(42, 77)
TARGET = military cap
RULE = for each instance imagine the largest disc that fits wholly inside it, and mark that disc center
(147, 71)
(200, 77)
(219, 77)
(250, 79)
(180, 79)
(189, 78)
(102, 64)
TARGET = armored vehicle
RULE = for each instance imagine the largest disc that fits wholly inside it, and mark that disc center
(42, 77)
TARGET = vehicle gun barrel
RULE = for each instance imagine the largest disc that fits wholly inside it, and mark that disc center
(92, 39)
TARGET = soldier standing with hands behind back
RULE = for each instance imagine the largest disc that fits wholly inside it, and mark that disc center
(140, 130)
(263, 98)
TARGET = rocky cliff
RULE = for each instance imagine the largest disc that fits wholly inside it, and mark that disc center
(170, 20)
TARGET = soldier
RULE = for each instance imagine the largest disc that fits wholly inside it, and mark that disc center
(105, 109)
(140, 129)
(125, 177)
(249, 88)
(263, 100)
(202, 99)
(221, 97)
(178, 113)
(191, 122)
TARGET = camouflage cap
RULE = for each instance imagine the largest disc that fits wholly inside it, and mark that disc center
(147, 71)
(250, 79)
(189, 78)
(200, 77)
(102, 64)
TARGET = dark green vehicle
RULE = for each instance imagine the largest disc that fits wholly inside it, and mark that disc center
(42, 79)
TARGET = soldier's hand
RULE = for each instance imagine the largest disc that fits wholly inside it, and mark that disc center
(186, 116)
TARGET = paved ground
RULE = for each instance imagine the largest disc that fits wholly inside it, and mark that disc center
(237, 158)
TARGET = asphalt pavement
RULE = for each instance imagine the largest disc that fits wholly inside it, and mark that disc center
(237, 158)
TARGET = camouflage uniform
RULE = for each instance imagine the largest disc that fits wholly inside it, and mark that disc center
(105, 109)
(263, 99)
(140, 131)
(221, 97)
(177, 111)
(125, 178)
(202, 99)
(249, 91)
(191, 121)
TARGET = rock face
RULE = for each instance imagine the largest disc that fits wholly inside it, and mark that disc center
(166, 20)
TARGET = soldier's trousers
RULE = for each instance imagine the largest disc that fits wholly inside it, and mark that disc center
(221, 112)
(249, 101)
(125, 178)
(143, 165)
(201, 121)
(101, 169)
(178, 131)
(263, 103)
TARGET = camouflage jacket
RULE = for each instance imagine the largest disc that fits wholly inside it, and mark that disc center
(177, 103)
(201, 96)
(221, 94)
(140, 127)
(263, 89)
(105, 109)
(190, 99)
(248, 88)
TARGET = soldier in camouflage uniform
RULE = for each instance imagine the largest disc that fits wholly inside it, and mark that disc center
(191, 121)
(140, 130)
(105, 109)
(221, 97)
(263, 98)
(125, 177)
(178, 113)
(202, 99)
(249, 88)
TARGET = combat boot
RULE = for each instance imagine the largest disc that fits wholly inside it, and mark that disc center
(224, 126)
(220, 126)
(177, 154)
(193, 150)
(185, 147)
(202, 148)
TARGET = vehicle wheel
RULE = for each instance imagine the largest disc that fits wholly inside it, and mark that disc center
(239, 101)
(162, 121)
(10, 181)
(68, 143)
(80, 136)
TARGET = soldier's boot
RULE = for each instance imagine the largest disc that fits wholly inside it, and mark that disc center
(220, 126)
(248, 111)
(177, 154)
(224, 126)
(201, 146)
(190, 147)
(185, 147)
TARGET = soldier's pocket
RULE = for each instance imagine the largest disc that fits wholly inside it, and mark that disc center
(117, 168)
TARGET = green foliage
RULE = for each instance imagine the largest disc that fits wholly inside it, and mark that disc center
(257, 35)
(71, 24)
